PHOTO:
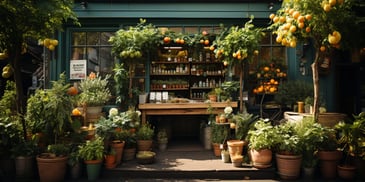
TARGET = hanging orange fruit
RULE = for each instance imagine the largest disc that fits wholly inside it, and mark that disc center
(72, 91)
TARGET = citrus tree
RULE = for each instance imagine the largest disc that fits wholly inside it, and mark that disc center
(24, 20)
(237, 46)
(325, 22)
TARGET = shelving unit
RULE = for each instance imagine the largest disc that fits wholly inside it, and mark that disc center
(183, 75)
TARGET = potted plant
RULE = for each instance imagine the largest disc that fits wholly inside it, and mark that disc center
(261, 140)
(110, 158)
(74, 162)
(288, 150)
(24, 155)
(92, 153)
(49, 112)
(311, 133)
(144, 136)
(351, 137)
(162, 139)
(94, 94)
(219, 134)
(328, 154)
(52, 163)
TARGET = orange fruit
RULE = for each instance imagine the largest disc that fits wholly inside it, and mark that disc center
(327, 7)
(272, 81)
(166, 40)
(308, 17)
(92, 75)
(307, 29)
(272, 16)
(206, 42)
(76, 112)
(266, 68)
(322, 49)
(211, 48)
(72, 91)
(205, 33)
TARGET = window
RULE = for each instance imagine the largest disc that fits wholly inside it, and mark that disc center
(95, 48)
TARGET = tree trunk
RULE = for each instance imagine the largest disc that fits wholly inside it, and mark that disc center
(315, 86)
(14, 58)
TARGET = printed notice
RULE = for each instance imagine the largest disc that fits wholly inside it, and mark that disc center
(77, 69)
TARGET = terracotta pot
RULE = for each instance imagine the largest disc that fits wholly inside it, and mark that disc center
(235, 147)
(346, 172)
(118, 148)
(328, 161)
(52, 169)
(217, 149)
(288, 166)
(261, 158)
(144, 145)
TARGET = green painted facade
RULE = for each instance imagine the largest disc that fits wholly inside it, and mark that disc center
(111, 16)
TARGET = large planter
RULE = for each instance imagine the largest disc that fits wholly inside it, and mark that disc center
(52, 169)
(288, 166)
(144, 145)
(261, 158)
(235, 148)
(118, 148)
(93, 168)
(24, 167)
(328, 161)
(330, 119)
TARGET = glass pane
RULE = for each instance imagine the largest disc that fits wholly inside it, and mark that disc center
(106, 60)
(104, 38)
(93, 38)
(78, 53)
(78, 38)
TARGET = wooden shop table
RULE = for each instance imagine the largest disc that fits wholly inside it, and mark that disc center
(194, 108)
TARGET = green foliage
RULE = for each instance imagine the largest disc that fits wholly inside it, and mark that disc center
(59, 150)
(132, 42)
(145, 132)
(92, 149)
(95, 91)
(10, 125)
(219, 133)
(287, 141)
(121, 84)
(311, 134)
(352, 136)
(292, 91)
(25, 148)
(238, 43)
(244, 122)
(50, 110)
(162, 136)
(262, 135)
